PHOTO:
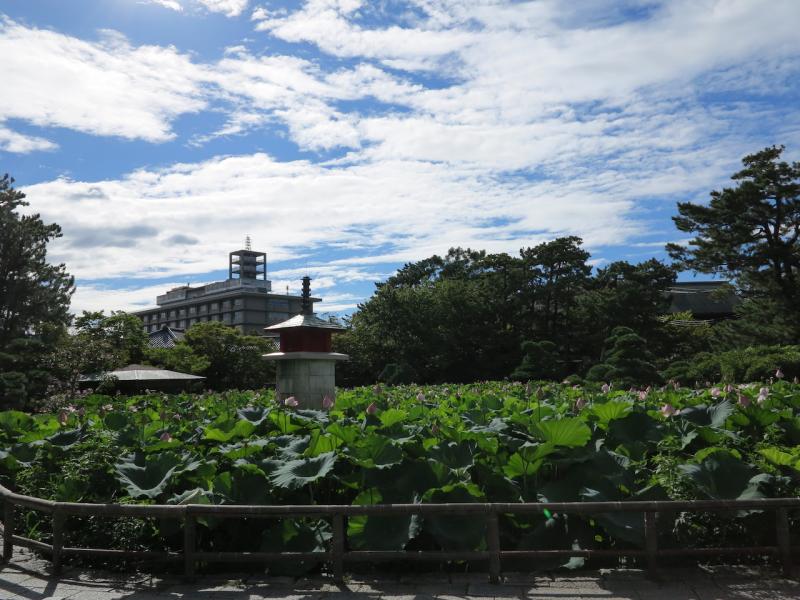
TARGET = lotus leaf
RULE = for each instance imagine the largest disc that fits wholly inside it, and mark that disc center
(295, 474)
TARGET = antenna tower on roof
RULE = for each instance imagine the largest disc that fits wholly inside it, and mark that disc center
(247, 244)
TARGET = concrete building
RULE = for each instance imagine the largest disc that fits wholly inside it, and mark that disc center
(244, 301)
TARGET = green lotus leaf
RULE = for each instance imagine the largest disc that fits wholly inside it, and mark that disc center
(66, 438)
(569, 432)
(13, 422)
(347, 433)
(224, 430)
(147, 476)
(611, 410)
(527, 460)
(454, 455)
(778, 457)
(320, 443)
(722, 476)
(378, 532)
(376, 452)
(253, 414)
(295, 474)
(392, 416)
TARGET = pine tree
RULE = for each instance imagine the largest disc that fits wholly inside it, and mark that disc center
(34, 297)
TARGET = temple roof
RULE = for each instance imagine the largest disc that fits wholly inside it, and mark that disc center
(310, 321)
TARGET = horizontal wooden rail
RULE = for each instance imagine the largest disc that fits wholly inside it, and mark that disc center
(338, 514)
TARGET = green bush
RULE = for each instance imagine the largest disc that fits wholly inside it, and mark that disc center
(756, 363)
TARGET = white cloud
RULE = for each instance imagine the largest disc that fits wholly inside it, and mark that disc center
(11, 141)
(170, 4)
(230, 8)
(107, 88)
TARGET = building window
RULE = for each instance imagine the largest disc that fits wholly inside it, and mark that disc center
(182, 312)
(192, 310)
(237, 303)
(164, 315)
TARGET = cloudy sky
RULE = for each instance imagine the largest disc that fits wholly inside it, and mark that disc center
(348, 137)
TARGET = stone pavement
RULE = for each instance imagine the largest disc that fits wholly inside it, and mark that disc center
(27, 578)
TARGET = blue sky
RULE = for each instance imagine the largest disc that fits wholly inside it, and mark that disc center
(349, 137)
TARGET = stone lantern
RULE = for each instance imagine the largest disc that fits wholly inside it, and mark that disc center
(306, 367)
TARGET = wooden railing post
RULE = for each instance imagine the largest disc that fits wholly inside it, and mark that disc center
(8, 530)
(58, 540)
(651, 542)
(338, 546)
(784, 542)
(493, 542)
(189, 544)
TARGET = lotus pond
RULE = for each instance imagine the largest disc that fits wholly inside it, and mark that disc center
(492, 441)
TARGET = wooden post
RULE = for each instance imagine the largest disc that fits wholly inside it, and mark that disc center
(493, 541)
(189, 545)
(651, 543)
(338, 547)
(8, 531)
(58, 540)
(784, 542)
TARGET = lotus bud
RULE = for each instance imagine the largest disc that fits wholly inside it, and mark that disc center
(605, 388)
(528, 389)
(744, 401)
(779, 374)
(372, 408)
(165, 437)
(63, 417)
(327, 402)
(729, 389)
(762, 395)
(376, 389)
(539, 394)
(716, 392)
(291, 402)
(668, 410)
(579, 404)
(435, 429)
(420, 397)
(643, 394)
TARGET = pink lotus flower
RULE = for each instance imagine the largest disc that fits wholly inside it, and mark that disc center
(716, 392)
(668, 410)
(291, 402)
(605, 388)
(779, 374)
(744, 401)
(165, 437)
(327, 402)
(420, 397)
(762, 395)
(579, 404)
(729, 389)
(372, 408)
(643, 394)
(108, 407)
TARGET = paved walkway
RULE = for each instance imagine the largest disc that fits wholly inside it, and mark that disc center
(27, 578)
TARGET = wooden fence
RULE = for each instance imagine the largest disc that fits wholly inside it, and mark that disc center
(339, 554)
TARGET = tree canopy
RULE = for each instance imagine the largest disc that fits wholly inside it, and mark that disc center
(34, 298)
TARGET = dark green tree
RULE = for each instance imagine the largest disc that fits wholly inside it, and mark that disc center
(226, 357)
(626, 360)
(750, 233)
(120, 331)
(540, 362)
(34, 298)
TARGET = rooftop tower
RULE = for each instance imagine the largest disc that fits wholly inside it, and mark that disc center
(247, 264)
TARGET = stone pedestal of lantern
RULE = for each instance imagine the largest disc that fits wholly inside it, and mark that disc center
(305, 364)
